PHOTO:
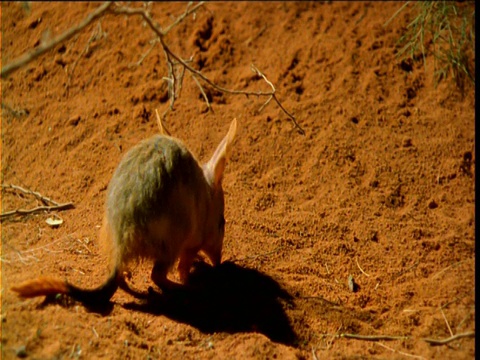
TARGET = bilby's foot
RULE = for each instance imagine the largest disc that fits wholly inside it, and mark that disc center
(159, 278)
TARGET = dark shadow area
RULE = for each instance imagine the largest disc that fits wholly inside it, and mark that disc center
(66, 301)
(226, 298)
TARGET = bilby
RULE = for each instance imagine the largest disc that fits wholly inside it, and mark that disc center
(161, 205)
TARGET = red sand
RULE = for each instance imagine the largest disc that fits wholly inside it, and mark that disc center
(381, 187)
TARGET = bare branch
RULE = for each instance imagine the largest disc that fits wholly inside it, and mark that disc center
(44, 47)
(170, 55)
(274, 96)
(161, 34)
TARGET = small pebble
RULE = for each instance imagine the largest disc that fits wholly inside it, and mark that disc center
(21, 352)
(351, 284)
(74, 120)
(407, 142)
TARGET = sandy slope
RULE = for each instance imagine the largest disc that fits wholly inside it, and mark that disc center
(380, 187)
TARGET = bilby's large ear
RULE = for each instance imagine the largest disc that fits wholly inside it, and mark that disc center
(216, 165)
(161, 126)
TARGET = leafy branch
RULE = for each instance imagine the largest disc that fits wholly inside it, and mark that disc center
(445, 30)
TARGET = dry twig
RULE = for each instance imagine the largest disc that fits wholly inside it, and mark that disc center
(39, 196)
(35, 210)
(435, 342)
(46, 46)
(44, 199)
(373, 337)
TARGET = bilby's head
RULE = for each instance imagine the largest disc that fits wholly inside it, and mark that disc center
(213, 171)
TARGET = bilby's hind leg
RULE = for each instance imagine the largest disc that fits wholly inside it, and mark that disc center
(122, 283)
(159, 276)
(185, 264)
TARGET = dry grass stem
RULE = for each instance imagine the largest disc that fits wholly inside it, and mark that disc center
(27, 256)
(96, 34)
(332, 338)
(161, 125)
(79, 271)
(95, 332)
(446, 322)
(447, 268)
(144, 56)
(400, 352)
(358, 265)
(469, 314)
(205, 97)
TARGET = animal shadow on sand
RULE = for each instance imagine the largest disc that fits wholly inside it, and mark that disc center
(226, 298)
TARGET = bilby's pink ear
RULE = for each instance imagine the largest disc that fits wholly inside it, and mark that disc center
(161, 125)
(216, 165)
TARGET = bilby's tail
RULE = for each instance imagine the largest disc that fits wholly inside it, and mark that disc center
(47, 286)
